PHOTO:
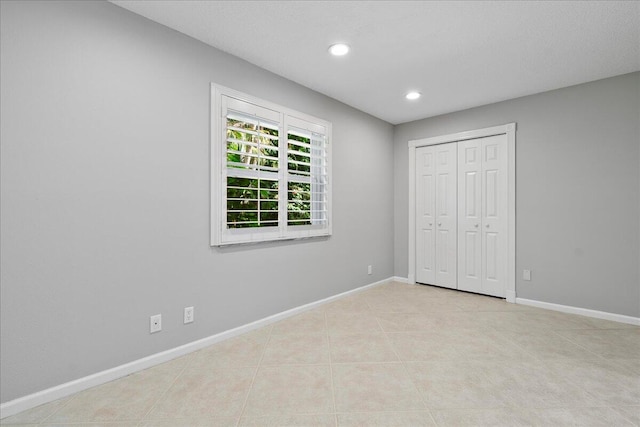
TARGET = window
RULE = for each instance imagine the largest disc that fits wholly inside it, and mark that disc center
(270, 171)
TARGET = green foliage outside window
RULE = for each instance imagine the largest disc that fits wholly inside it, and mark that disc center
(299, 194)
(253, 202)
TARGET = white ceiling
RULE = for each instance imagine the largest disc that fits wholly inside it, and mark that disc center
(458, 54)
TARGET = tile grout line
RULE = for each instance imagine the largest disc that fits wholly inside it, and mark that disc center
(527, 352)
(406, 370)
(556, 332)
(624, 416)
(255, 374)
(70, 399)
(576, 384)
(539, 359)
(435, 423)
(186, 365)
(136, 421)
(333, 388)
(598, 356)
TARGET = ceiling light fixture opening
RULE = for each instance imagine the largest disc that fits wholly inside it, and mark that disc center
(339, 49)
(413, 95)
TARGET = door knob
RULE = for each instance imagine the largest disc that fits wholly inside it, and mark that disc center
(439, 224)
(487, 225)
(430, 224)
(476, 226)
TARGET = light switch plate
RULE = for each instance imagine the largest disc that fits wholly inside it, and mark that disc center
(188, 315)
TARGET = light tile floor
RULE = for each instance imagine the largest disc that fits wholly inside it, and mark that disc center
(394, 355)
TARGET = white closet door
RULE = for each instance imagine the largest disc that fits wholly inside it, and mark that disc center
(482, 215)
(446, 215)
(470, 215)
(425, 215)
(494, 215)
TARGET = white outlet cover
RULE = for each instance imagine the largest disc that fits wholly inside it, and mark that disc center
(155, 323)
(526, 274)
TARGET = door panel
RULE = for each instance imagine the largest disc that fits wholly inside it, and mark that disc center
(425, 215)
(490, 250)
(436, 215)
(494, 219)
(482, 211)
(427, 254)
(469, 216)
(470, 194)
(491, 202)
(442, 248)
(471, 257)
(446, 215)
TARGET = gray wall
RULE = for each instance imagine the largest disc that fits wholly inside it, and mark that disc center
(105, 195)
(577, 184)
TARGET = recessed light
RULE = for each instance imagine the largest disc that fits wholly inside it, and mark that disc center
(339, 49)
(412, 95)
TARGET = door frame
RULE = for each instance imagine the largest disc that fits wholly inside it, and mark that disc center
(509, 130)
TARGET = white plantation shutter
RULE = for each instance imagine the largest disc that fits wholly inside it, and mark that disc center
(252, 155)
(270, 171)
(307, 174)
(249, 137)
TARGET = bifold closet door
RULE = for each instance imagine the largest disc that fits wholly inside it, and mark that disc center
(482, 215)
(436, 215)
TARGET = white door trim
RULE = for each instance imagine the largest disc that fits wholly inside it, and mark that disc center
(510, 130)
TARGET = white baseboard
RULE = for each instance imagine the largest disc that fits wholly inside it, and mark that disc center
(63, 390)
(399, 279)
(581, 311)
(510, 296)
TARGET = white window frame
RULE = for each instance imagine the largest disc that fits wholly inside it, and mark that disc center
(221, 235)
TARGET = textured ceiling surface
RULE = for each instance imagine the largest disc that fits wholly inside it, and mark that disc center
(458, 54)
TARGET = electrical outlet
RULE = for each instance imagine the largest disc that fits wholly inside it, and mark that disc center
(526, 275)
(369, 270)
(155, 323)
(188, 315)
